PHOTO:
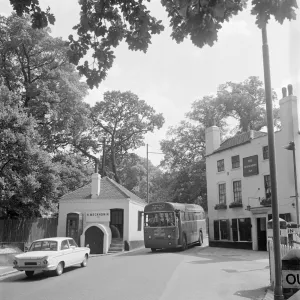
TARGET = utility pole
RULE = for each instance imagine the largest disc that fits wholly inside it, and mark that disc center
(147, 176)
(278, 295)
(103, 158)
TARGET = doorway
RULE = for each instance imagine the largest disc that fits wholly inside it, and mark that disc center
(261, 234)
(94, 238)
(117, 222)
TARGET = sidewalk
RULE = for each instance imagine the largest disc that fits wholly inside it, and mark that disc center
(269, 295)
(7, 270)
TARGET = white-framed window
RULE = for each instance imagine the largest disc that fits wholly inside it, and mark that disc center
(222, 193)
(265, 150)
(241, 230)
(221, 229)
(235, 161)
(237, 191)
(220, 165)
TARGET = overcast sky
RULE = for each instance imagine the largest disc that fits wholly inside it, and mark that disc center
(171, 76)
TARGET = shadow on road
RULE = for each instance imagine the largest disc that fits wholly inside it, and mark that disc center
(257, 294)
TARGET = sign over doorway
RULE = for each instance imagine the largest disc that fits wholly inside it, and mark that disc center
(98, 216)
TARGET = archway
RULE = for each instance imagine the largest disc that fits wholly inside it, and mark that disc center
(94, 238)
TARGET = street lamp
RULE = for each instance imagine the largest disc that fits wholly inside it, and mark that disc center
(291, 146)
(278, 294)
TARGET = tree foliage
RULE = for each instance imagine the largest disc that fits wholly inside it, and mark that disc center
(104, 24)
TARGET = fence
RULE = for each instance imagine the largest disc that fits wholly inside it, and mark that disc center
(284, 249)
(27, 230)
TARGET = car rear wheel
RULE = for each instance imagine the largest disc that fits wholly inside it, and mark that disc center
(59, 269)
(29, 273)
(85, 261)
(184, 243)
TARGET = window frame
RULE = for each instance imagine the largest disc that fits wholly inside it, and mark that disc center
(220, 165)
(237, 192)
(233, 162)
(220, 230)
(265, 152)
(223, 194)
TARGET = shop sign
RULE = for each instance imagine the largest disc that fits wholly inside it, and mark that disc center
(98, 216)
(250, 165)
(291, 279)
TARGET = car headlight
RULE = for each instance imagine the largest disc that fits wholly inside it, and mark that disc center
(15, 262)
(45, 260)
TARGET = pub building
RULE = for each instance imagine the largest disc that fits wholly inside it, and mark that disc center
(103, 215)
(238, 181)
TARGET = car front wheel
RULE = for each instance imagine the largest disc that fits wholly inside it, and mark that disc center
(85, 261)
(29, 273)
(59, 269)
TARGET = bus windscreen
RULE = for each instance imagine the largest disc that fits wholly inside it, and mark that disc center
(161, 219)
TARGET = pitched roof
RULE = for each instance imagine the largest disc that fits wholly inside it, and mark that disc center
(239, 140)
(109, 190)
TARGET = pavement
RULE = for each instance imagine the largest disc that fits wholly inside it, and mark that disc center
(269, 295)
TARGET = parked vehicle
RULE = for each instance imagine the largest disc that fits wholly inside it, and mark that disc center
(173, 225)
(51, 254)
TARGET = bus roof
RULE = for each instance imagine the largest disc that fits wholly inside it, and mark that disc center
(170, 206)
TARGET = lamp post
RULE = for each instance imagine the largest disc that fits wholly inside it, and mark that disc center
(278, 295)
(291, 146)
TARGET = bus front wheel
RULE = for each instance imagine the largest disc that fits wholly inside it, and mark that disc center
(153, 249)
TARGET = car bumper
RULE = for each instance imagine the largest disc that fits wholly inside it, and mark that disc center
(35, 268)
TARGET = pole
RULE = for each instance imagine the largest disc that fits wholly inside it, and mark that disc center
(147, 177)
(270, 124)
(103, 158)
(296, 186)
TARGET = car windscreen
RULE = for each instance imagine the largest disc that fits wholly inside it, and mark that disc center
(43, 246)
(162, 219)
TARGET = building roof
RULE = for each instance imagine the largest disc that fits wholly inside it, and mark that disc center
(109, 190)
(239, 140)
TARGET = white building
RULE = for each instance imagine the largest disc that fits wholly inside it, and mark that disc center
(104, 215)
(238, 181)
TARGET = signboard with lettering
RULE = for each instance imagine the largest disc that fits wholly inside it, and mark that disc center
(250, 165)
(291, 279)
(98, 216)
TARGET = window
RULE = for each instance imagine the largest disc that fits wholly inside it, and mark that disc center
(221, 230)
(267, 182)
(245, 229)
(139, 220)
(222, 193)
(64, 245)
(235, 160)
(72, 243)
(234, 226)
(237, 191)
(220, 165)
(159, 219)
(266, 152)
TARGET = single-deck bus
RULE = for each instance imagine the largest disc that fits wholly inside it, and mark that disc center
(173, 225)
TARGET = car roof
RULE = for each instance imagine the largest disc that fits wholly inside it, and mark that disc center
(57, 239)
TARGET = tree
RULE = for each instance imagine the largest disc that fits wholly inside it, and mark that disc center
(28, 178)
(123, 120)
(105, 23)
(34, 65)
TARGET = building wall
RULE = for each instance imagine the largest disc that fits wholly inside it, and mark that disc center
(134, 209)
(87, 205)
(253, 186)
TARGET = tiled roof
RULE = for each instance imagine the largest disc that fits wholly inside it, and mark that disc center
(239, 139)
(109, 190)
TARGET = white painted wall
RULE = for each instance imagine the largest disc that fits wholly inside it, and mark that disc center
(134, 234)
(253, 186)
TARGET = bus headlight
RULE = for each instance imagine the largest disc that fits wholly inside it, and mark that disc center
(169, 236)
(149, 236)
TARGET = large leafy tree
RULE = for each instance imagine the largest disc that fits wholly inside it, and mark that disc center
(104, 24)
(28, 177)
(123, 120)
(34, 66)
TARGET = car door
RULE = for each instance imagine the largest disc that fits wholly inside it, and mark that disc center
(77, 253)
(66, 252)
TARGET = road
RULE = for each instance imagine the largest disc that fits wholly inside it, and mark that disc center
(198, 273)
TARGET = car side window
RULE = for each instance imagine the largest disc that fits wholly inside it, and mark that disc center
(72, 243)
(64, 245)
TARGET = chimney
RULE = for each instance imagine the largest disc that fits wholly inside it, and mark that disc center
(96, 178)
(212, 139)
(289, 115)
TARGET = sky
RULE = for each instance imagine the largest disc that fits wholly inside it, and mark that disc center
(171, 76)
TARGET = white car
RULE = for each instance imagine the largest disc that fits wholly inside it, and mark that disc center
(51, 254)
